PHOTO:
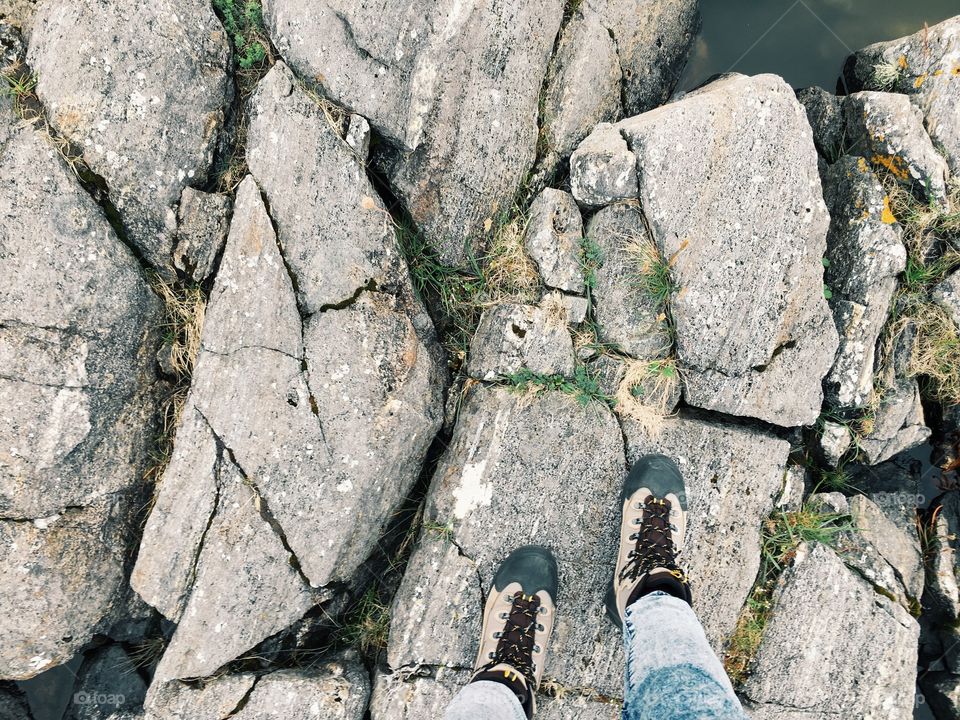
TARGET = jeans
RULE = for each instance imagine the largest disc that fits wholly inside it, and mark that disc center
(672, 673)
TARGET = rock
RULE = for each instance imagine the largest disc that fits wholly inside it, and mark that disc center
(13, 703)
(514, 337)
(888, 129)
(423, 87)
(337, 236)
(614, 59)
(277, 489)
(543, 445)
(833, 503)
(141, 89)
(827, 625)
(628, 317)
(202, 231)
(107, 682)
(729, 186)
(358, 136)
(18, 13)
(553, 240)
(946, 293)
(733, 476)
(865, 256)
(603, 169)
(217, 698)
(835, 440)
(77, 336)
(924, 67)
(12, 47)
(576, 308)
(894, 487)
(794, 486)
(898, 424)
(941, 691)
(943, 594)
(825, 115)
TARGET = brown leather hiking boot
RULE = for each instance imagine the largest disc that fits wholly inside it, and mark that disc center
(652, 528)
(517, 622)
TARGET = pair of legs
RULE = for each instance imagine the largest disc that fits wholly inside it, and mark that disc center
(671, 671)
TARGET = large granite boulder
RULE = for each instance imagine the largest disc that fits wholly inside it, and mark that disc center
(864, 255)
(453, 87)
(925, 68)
(141, 89)
(77, 336)
(613, 58)
(729, 186)
(827, 626)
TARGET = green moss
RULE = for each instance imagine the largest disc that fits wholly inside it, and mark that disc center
(243, 21)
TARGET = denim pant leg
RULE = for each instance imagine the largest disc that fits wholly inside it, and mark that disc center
(672, 672)
(485, 700)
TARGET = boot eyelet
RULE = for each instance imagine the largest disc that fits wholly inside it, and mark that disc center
(504, 616)
(536, 648)
(540, 627)
(496, 635)
(543, 610)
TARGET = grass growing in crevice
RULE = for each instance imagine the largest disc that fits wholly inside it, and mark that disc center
(654, 275)
(647, 391)
(584, 386)
(367, 626)
(780, 537)
(243, 21)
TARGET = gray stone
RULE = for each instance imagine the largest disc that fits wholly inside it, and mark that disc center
(13, 49)
(792, 491)
(898, 424)
(217, 698)
(925, 64)
(613, 59)
(835, 440)
(943, 588)
(576, 308)
(539, 445)
(358, 136)
(888, 129)
(626, 316)
(835, 503)
(825, 115)
(733, 476)
(603, 169)
(337, 237)
(77, 336)
(947, 294)
(107, 682)
(141, 89)
(201, 233)
(13, 703)
(865, 256)
(453, 87)
(337, 690)
(729, 185)
(514, 337)
(18, 13)
(553, 240)
(941, 691)
(827, 625)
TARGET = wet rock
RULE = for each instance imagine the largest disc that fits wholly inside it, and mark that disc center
(924, 66)
(553, 240)
(576, 460)
(733, 476)
(835, 440)
(141, 89)
(337, 236)
(828, 624)
(514, 337)
(825, 115)
(202, 231)
(729, 185)
(947, 294)
(423, 86)
(865, 255)
(898, 424)
(107, 682)
(603, 169)
(888, 129)
(628, 317)
(77, 337)
(614, 59)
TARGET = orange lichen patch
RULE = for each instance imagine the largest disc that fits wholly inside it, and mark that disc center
(862, 165)
(902, 62)
(920, 80)
(956, 70)
(887, 215)
(895, 165)
(938, 72)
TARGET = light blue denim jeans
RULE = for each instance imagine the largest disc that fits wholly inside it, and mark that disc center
(672, 672)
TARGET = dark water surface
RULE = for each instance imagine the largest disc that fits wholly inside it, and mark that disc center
(805, 41)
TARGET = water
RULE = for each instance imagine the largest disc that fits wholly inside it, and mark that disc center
(804, 41)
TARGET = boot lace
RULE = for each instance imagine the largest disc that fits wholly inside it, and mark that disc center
(654, 543)
(517, 641)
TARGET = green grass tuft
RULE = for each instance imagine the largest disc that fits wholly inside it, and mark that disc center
(243, 21)
(584, 387)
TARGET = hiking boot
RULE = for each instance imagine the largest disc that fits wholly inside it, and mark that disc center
(652, 529)
(517, 621)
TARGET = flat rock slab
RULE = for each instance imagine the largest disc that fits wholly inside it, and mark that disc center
(77, 336)
(828, 627)
(453, 87)
(729, 185)
(141, 89)
(554, 238)
(926, 70)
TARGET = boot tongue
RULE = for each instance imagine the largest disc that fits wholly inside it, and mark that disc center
(660, 579)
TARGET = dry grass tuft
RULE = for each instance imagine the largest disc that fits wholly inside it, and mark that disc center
(185, 307)
(646, 391)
